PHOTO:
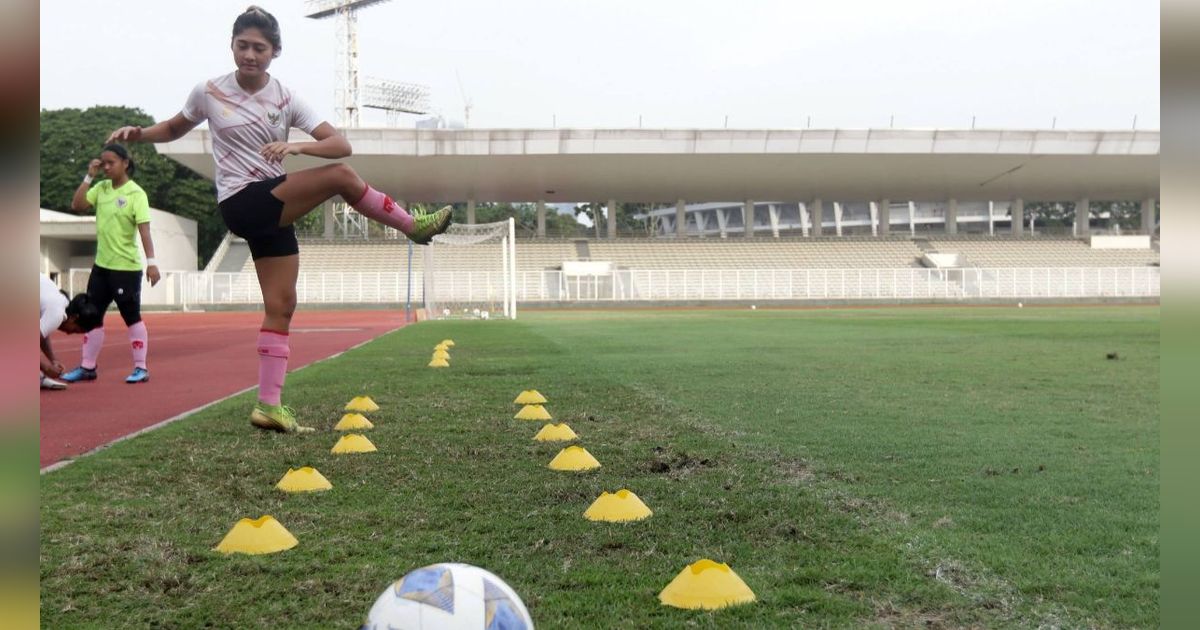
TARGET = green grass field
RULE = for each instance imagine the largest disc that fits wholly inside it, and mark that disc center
(933, 467)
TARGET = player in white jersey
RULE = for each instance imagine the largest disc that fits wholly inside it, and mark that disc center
(74, 316)
(249, 113)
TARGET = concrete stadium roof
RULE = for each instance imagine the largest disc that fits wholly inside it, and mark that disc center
(643, 165)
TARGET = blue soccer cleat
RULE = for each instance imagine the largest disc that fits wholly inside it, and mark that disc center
(79, 374)
(140, 375)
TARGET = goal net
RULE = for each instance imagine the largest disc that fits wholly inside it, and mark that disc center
(470, 272)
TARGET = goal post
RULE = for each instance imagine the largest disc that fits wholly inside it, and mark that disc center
(470, 272)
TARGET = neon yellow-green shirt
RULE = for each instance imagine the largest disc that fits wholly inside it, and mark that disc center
(118, 213)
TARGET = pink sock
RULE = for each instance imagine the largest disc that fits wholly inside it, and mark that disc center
(138, 340)
(92, 341)
(272, 365)
(379, 207)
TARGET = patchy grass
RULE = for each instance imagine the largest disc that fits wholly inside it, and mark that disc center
(893, 468)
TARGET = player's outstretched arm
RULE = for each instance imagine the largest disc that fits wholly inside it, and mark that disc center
(168, 130)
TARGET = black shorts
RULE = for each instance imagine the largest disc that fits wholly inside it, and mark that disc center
(253, 214)
(106, 286)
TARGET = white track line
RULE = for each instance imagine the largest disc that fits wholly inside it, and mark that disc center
(65, 462)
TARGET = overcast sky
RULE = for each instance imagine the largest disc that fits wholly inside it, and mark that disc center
(673, 63)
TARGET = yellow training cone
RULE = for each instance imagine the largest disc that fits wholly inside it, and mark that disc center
(362, 403)
(530, 397)
(573, 458)
(533, 412)
(353, 443)
(439, 363)
(441, 354)
(708, 585)
(555, 433)
(449, 343)
(353, 422)
(261, 535)
(621, 505)
(307, 479)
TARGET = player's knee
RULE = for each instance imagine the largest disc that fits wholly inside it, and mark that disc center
(282, 306)
(345, 176)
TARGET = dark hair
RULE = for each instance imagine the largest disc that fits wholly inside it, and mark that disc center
(122, 153)
(256, 17)
(87, 315)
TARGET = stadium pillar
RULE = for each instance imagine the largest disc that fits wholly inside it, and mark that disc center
(818, 216)
(612, 218)
(471, 211)
(885, 217)
(1148, 218)
(748, 217)
(329, 221)
(773, 211)
(952, 217)
(1018, 217)
(1083, 211)
(541, 218)
(680, 219)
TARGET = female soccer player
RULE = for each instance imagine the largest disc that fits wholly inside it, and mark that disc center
(122, 211)
(72, 316)
(249, 113)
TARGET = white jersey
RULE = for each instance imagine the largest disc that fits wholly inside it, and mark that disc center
(241, 124)
(54, 306)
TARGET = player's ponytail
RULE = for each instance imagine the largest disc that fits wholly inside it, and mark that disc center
(87, 315)
(257, 17)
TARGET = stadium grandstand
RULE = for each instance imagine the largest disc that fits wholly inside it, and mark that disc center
(902, 215)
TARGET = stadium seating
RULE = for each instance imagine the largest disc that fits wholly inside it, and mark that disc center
(319, 255)
(982, 251)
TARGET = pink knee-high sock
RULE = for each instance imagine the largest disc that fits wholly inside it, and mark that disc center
(272, 365)
(139, 340)
(92, 342)
(379, 207)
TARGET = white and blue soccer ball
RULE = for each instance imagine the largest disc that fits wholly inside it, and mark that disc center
(449, 596)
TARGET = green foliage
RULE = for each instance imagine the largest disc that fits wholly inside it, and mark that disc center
(70, 138)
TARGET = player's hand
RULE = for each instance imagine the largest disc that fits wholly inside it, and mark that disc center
(153, 275)
(125, 134)
(94, 167)
(276, 151)
(58, 370)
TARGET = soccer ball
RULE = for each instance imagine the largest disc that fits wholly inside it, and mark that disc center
(484, 314)
(445, 312)
(449, 596)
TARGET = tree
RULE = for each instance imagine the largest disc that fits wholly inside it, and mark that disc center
(70, 138)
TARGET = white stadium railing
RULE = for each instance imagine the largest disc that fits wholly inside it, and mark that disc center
(903, 284)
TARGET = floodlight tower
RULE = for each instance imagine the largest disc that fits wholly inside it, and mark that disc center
(345, 15)
(395, 97)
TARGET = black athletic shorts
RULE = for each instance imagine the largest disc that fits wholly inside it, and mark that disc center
(253, 214)
(106, 286)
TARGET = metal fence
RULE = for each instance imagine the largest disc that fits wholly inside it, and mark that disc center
(663, 285)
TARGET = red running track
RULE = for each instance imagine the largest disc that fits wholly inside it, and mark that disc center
(195, 358)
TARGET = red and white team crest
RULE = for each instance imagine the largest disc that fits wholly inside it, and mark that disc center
(137, 344)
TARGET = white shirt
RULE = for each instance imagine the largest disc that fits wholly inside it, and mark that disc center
(54, 306)
(241, 124)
